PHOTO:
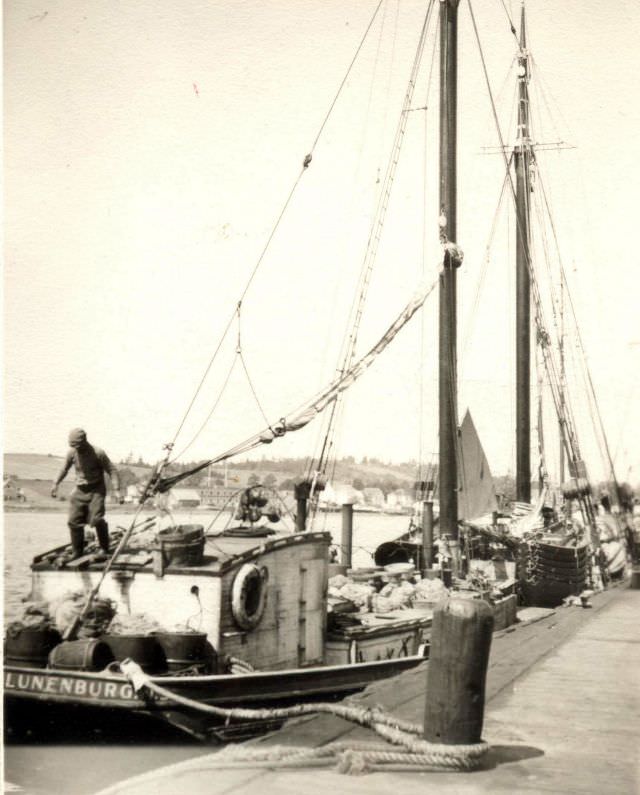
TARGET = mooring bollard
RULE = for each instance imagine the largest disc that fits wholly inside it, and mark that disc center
(457, 671)
(347, 534)
(635, 578)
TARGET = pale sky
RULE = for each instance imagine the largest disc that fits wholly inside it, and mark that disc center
(150, 146)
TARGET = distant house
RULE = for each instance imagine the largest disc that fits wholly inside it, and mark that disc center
(184, 498)
(217, 496)
(11, 490)
(400, 498)
(133, 492)
(340, 494)
(374, 496)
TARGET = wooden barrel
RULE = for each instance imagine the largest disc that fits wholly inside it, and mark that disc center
(183, 649)
(143, 649)
(88, 654)
(29, 646)
(182, 545)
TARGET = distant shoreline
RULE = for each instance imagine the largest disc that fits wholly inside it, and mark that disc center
(61, 507)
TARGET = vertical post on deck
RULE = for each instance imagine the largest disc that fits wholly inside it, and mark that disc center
(302, 491)
(346, 545)
(427, 534)
(457, 671)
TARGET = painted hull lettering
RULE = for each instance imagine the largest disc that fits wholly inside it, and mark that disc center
(75, 688)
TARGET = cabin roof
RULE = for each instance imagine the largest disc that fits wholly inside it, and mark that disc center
(221, 552)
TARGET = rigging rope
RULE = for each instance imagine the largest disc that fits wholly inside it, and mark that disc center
(511, 25)
(563, 412)
(371, 251)
(305, 165)
(309, 410)
(242, 296)
(562, 408)
(346, 76)
(421, 422)
(483, 271)
(210, 414)
(581, 348)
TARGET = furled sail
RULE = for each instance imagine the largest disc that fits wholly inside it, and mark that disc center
(308, 411)
(476, 492)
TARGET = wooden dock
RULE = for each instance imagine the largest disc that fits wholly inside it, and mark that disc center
(563, 715)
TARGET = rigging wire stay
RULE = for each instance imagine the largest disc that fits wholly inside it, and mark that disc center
(318, 468)
(306, 162)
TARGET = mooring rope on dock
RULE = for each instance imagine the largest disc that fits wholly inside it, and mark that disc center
(409, 751)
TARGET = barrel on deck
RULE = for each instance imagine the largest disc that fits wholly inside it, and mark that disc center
(143, 649)
(182, 545)
(30, 646)
(184, 649)
(88, 654)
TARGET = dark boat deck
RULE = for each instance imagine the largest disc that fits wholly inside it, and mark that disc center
(563, 715)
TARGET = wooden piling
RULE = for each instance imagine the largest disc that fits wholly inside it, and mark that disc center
(457, 671)
(347, 534)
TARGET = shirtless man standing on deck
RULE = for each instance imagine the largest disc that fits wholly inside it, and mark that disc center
(87, 499)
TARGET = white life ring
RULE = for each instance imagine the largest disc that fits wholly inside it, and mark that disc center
(249, 595)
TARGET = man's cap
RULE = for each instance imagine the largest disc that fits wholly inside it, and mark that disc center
(77, 435)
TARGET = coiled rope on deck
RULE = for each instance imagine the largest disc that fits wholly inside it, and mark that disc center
(410, 751)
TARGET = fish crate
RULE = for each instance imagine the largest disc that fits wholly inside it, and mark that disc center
(504, 612)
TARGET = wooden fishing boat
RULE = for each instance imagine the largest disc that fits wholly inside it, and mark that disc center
(259, 600)
(558, 558)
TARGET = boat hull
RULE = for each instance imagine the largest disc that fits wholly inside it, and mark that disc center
(399, 551)
(106, 694)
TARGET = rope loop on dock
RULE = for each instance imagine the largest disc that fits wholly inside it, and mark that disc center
(404, 748)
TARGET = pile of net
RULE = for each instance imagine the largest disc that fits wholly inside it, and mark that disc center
(66, 609)
(379, 597)
(61, 613)
(135, 624)
(35, 616)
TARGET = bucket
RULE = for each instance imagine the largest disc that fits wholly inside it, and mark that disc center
(143, 649)
(30, 646)
(88, 654)
(183, 649)
(182, 545)
(447, 577)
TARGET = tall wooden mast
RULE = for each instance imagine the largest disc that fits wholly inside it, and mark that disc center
(522, 159)
(448, 475)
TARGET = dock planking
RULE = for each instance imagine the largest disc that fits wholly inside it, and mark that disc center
(563, 715)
